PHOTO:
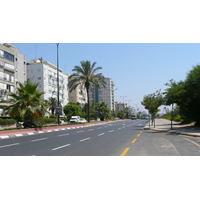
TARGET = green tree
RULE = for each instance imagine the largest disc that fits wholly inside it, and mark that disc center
(127, 112)
(27, 103)
(186, 94)
(85, 75)
(121, 114)
(72, 110)
(103, 110)
(153, 102)
(52, 102)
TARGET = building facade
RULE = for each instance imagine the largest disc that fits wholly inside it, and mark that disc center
(101, 94)
(12, 69)
(120, 106)
(78, 95)
(45, 73)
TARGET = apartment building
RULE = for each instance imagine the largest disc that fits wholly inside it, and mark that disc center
(120, 106)
(12, 69)
(101, 94)
(45, 73)
(78, 95)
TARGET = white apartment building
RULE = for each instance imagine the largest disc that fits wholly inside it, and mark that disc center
(107, 94)
(78, 95)
(45, 74)
(12, 70)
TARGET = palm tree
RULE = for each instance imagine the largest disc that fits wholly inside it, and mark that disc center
(103, 110)
(26, 103)
(86, 75)
(52, 102)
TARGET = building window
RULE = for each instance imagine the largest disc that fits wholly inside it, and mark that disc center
(8, 56)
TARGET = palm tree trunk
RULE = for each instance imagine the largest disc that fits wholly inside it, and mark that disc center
(88, 100)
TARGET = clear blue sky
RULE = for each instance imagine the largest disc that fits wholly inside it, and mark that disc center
(137, 69)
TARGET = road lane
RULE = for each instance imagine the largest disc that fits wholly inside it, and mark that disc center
(111, 139)
(153, 143)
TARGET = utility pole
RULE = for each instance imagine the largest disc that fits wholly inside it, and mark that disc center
(58, 83)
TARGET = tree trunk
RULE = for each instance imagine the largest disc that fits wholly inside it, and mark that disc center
(88, 108)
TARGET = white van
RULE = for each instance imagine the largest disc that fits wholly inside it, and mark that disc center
(74, 119)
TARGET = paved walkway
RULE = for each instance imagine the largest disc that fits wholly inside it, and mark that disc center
(164, 125)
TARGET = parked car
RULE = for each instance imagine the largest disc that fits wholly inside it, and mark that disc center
(74, 119)
(82, 120)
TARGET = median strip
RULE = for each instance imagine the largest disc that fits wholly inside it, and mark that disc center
(125, 152)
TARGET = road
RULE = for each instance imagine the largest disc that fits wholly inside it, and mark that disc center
(119, 138)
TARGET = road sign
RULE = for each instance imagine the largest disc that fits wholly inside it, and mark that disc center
(59, 111)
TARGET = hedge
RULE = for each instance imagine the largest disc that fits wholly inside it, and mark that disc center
(7, 121)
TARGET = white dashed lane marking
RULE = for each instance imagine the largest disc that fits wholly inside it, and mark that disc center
(8, 145)
(84, 139)
(38, 139)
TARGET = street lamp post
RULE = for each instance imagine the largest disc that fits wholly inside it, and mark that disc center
(123, 99)
(129, 102)
(58, 83)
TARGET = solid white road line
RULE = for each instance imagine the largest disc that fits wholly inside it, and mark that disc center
(60, 147)
(63, 135)
(101, 134)
(38, 139)
(84, 139)
(8, 145)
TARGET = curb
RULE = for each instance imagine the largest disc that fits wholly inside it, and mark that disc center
(45, 131)
(160, 130)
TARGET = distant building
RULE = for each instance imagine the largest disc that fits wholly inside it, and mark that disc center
(12, 69)
(45, 73)
(120, 106)
(101, 94)
(78, 95)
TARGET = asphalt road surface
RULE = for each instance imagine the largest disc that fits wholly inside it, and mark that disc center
(119, 138)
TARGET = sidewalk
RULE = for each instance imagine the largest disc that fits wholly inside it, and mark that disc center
(32, 131)
(164, 125)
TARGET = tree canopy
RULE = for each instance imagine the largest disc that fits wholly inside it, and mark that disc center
(27, 104)
(153, 102)
(186, 94)
(85, 75)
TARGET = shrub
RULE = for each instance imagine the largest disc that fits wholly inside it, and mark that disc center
(7, 121)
